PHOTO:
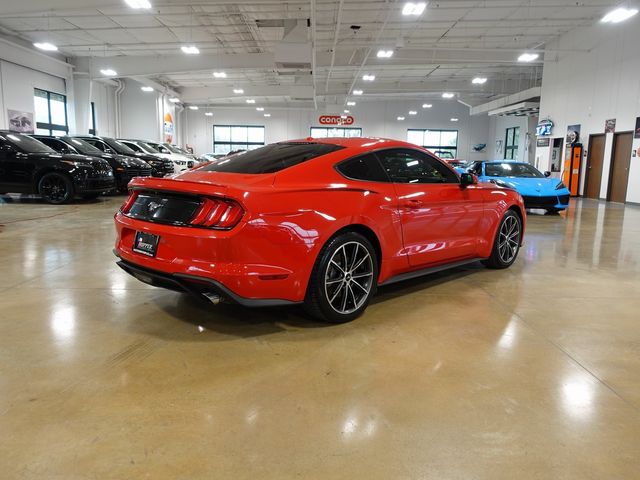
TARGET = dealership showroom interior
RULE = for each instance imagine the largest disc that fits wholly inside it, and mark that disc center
(324, 239)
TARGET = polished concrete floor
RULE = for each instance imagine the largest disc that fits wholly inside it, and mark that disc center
(528, 373)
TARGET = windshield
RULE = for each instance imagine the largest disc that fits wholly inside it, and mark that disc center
(147, 147)
(82, 147)
(272, 158)
(507, 169)
(119, 147)
(174, 149)
(27, 144)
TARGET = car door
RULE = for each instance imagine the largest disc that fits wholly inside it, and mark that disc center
(13, 169)
(440, 219)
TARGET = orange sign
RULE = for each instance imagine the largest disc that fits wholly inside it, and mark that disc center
(336, 120)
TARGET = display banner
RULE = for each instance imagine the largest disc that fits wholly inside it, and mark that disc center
(336, 120)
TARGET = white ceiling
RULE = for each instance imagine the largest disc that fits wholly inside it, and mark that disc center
(452, 42)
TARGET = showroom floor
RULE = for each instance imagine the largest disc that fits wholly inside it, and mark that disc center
(532, 372)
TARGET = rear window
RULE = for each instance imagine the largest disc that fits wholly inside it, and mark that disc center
(272, 158)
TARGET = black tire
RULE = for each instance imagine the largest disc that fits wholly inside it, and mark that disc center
(351, 288)
(56, 188)
(506, 245)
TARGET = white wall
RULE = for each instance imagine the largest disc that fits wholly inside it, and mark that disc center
(139, 115)
(591, 87)
(103, 97)
(497, 132)
(377, 119)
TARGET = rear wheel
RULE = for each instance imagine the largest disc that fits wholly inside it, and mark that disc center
(343, 279)
(56, 188)
(507, 242)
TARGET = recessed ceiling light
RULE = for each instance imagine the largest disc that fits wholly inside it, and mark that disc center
(260, 109)
(220, 74)
(454, 119)
(351, 104)
(238, 91)
(426, 105)
(400, 118)
(209, 114)
(384, 53)
(46, 46)
(368, 77)
(357, 92)
(146, 89)
(412, 112)
(190, 49)
(619, 15)
(138, 3)
(174, 100)
(193, 107)
(109, 72)
(346, 111)
(413, 8)
(267, 114)
(250, 100)
(528, 57)
(343, 117)
(447, 95)
(479, 80)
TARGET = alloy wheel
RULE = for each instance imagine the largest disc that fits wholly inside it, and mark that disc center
(54, 188)
(349, 278)
(509, 239)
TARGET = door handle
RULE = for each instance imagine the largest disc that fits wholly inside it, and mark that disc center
(412, 203)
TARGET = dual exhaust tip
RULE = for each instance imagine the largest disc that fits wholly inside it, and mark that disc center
(212, 297)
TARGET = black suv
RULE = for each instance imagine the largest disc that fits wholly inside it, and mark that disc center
(29, 166)
(124, 168)
(161, 167)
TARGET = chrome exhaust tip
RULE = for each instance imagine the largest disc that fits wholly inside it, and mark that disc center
(212, 297)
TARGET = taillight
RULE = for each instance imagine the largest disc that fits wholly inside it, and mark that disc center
(218, 213)
(126, 206)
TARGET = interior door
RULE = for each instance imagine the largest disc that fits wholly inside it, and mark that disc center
(595, 160)
(439, 219)
(621, 159)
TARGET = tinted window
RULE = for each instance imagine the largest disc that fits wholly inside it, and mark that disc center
(57, 145)
(27, 144)
(272, 158)
(511, 170)
(365, 167)
(96, 143)
(118, 146)
(82, 146)
(412, 166)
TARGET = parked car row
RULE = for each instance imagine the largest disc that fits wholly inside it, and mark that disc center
(61, 168)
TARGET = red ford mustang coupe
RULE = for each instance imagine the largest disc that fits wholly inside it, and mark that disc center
(321, 222)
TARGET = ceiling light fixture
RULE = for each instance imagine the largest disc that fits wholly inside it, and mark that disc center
(190, 49)
(426, 105)
(109, 72)
(368, 78)
(448, 95)
(400, 119)
(209, 114)
(528, 57)
(138, 3)
(46, 46)
(351, 104)
(411, 8)
(346, 111)
(267, 114)
(619, 15)
(239, 91)
(412, 112)
(193, 107)
(174, 100)
(260, 109)
(220, 74)
(357, 92)
(479, 80)
(454, 119)
(146, 89)
(250, 100)
(384, 53)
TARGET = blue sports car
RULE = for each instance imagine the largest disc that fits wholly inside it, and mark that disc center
(537, 189)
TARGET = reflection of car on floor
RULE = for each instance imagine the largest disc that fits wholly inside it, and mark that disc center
(536, 188)
(321, 222)
(124, 168)
(29, 166)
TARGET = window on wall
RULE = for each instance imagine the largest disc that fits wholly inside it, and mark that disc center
(51, 113)
(324, 132)
(228, 138)
(443, 143)
(511, 143)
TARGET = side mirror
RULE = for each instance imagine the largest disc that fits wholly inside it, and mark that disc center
(467, 179)
(547, 174)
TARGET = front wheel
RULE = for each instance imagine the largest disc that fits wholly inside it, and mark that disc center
(56, 188)
(507, 242)
(343, 279)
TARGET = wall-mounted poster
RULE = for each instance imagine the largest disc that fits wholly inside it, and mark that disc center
(573, 134)
(168, 128)
(610, 126)
(19, 121)
(637, 130)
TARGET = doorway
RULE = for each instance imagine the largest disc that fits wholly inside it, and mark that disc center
(620, 161)
(595, 161)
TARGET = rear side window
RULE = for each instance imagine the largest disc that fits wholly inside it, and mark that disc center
(413, 166)
(272, 158)
(365, 167)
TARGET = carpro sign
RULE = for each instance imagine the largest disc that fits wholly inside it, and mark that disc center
(336, 120)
